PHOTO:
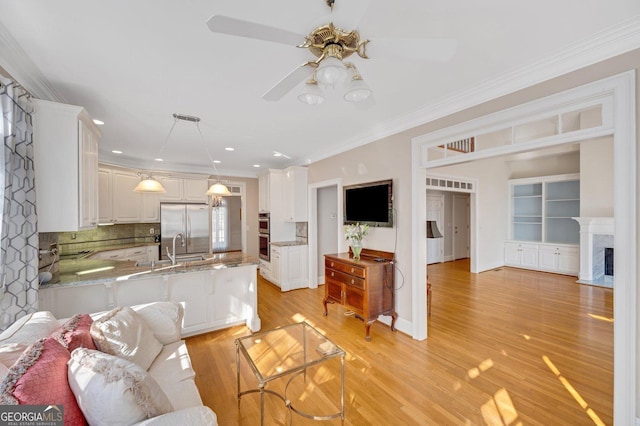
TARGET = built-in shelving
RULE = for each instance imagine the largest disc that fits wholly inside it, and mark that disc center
(542, 209)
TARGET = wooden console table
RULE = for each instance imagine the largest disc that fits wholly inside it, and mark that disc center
(365, 286)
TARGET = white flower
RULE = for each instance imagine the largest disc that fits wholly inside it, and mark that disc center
(356, 232)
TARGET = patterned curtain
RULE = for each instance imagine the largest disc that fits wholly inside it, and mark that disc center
(19, 244)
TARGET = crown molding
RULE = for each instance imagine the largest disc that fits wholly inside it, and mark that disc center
(18, 64)
(605, 44)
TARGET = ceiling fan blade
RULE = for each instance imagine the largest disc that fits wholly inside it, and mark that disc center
(290, 81)
(413, 49)
(237, 27)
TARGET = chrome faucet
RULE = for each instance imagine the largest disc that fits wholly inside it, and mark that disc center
(172, 257)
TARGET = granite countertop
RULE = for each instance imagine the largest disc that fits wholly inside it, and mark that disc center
(76, 272)
(288, 243)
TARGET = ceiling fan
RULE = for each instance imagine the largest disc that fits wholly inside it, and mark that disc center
(331, 45)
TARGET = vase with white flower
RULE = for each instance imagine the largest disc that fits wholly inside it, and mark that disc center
(354, 234)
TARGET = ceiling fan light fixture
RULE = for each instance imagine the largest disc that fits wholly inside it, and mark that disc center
(311, 94)
(330, 71)
(357, 90)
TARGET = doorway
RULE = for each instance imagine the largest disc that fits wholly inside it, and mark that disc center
(325, 221)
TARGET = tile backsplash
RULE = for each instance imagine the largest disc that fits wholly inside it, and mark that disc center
(301, 231)
(112, 235)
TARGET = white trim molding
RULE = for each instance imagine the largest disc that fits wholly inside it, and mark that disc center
(619, 92)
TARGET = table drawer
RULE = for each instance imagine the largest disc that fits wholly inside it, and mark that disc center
(347, 279)
(343, 267)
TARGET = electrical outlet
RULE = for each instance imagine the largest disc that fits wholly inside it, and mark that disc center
(152, 231)
(73, 236)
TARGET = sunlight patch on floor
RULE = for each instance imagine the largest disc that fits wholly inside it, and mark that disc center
(601, 318)
(500, 410)
(481, 368)
(576, 395)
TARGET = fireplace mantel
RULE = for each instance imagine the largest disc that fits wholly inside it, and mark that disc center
(590, 227)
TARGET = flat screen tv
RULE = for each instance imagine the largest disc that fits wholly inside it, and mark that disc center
(370, 203)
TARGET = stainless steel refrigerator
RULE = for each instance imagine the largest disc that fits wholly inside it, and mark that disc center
(190, 220)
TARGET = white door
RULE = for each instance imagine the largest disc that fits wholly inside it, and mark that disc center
(460, 226)
(435, 211)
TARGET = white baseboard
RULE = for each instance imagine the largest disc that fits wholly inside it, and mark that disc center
(401, 324)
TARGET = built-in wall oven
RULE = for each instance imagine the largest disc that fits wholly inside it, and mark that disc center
(263, 223)
(264, 239)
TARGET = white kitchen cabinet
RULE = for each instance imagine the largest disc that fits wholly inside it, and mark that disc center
(275, 266)
(66, 164)
(295, 194)
(265, 269)
(138, 254)
(118, 203)
(150, 207)
(105, 191)
(184, 190)
(289, 266)
(193, 294)
(127, 204)
(271, 200)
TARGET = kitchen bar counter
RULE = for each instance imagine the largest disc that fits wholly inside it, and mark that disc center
(216, 293)
(288, 243)
(87, 271)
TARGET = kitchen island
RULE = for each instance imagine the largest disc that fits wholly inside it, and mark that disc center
(217, 292)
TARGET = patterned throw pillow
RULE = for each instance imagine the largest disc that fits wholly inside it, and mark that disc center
(75, 333)
(123, 333)
(113, 391)
(24, 332)
(39, 377)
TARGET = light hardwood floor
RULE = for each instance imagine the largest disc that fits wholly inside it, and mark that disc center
(505, 347)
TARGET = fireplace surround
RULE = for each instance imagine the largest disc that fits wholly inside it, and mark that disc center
(596, 235)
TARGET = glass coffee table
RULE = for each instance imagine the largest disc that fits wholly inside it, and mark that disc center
(287, 351)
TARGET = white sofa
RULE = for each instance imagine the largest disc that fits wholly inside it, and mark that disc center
(101, 398)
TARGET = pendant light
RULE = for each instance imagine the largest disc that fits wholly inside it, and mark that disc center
(150, 184)
(218, 189)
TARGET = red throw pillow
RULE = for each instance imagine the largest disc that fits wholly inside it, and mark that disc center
(39, 377)
(75, 333)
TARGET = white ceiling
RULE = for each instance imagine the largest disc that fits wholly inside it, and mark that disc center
(134, 63)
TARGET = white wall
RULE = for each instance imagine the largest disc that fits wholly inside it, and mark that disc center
(596, 178)
(384, 159)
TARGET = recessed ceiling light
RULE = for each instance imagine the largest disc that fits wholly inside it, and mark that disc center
(217, 161)
(256, 165)
(98, 122)
(115, 151)
(159, 159)
(229, 149)
(277, 154)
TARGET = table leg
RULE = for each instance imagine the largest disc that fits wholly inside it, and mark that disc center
(342, 388)
(238, 372)
(261, 404)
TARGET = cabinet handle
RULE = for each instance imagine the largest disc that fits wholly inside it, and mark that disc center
(353, 270)
(332, 264)
(332, 274)
(353, 281)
